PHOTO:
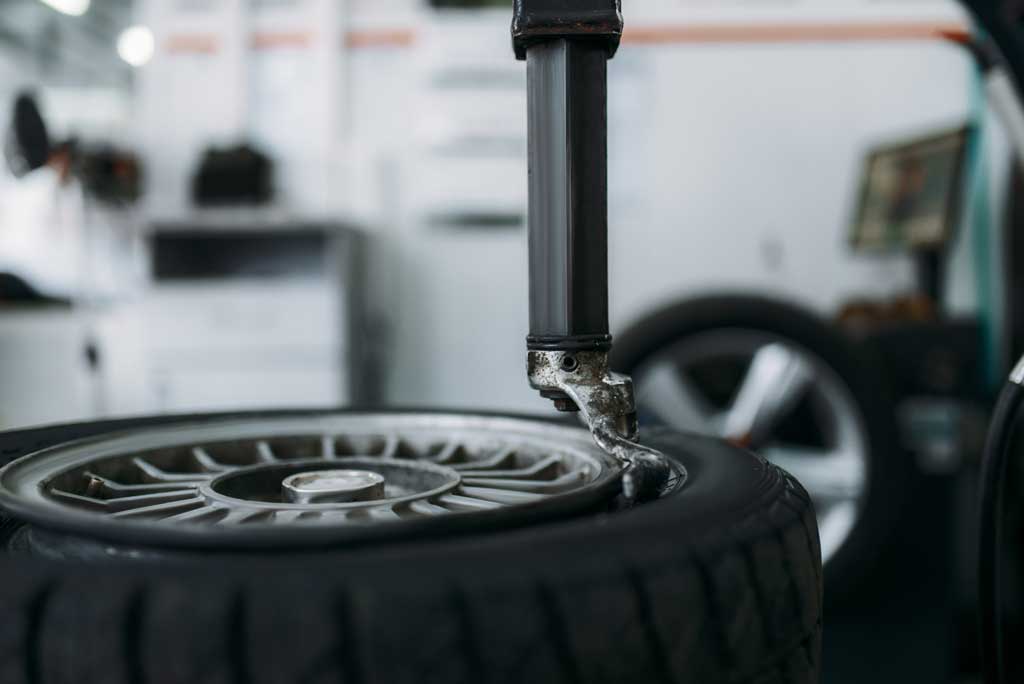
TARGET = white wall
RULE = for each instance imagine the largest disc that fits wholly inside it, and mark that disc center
(192, 93)
(750, 158)
(228, 71)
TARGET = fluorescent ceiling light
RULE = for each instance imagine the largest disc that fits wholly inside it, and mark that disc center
(135, 45)
(75, 8)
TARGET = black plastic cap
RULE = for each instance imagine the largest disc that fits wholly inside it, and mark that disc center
(592, 20)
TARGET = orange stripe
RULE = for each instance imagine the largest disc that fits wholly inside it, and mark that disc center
(794, 33)
(380, 38)
(641, 35)
(269, 40)
(200, 43)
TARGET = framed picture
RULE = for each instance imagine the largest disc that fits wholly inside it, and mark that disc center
(910, 193)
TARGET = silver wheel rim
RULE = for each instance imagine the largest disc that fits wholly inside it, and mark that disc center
(779, 377)
(202, 481)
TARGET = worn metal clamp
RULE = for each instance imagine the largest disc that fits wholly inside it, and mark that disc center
(582, 381)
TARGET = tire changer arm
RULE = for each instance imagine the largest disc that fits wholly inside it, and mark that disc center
(567, 45)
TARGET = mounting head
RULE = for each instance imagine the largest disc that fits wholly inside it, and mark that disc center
(598, 21)
(606, 404)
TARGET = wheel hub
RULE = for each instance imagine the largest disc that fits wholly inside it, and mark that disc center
(345, 487)
(333, 486)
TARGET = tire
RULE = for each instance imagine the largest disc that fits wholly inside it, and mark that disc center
(719, 581)
(887, 469)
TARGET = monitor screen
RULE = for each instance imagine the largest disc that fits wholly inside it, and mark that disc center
(910, 193)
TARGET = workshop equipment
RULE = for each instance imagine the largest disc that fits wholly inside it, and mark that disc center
(567, 46)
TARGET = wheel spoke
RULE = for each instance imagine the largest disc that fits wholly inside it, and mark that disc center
(334, 516)
(392, 446)
(125, 503)
(451, 453)
(459, 502)
(503, 496)
(503, 459)
(774, 383)
(244, 515)
(286, 516)
(98, 483)
(205, 460)
(202, 513)
(383, 513)
(545, 469)
(264, 452)
(161, 510)
(664, 392)
(425, 507)
(159, 475)
(567, 481)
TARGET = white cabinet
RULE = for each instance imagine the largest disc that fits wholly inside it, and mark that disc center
(45, 376)
(235, 318)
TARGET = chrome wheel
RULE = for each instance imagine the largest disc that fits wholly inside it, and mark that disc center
(764, 392)
(349, 476)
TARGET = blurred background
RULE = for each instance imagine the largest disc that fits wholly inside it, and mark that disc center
(225, 204)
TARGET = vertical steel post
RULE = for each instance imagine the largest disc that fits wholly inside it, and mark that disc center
(566, 45)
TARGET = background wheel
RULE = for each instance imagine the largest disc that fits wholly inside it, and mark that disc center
(716, 581)
(779, 380)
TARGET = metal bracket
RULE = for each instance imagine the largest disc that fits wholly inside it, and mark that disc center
(582, 381)
(596, 21)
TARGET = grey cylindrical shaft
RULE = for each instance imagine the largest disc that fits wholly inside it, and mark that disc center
(568, 202)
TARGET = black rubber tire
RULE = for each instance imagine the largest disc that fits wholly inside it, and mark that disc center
(888, 467)
(718, 582)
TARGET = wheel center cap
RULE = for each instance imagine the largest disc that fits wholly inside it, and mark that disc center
(333, 486)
